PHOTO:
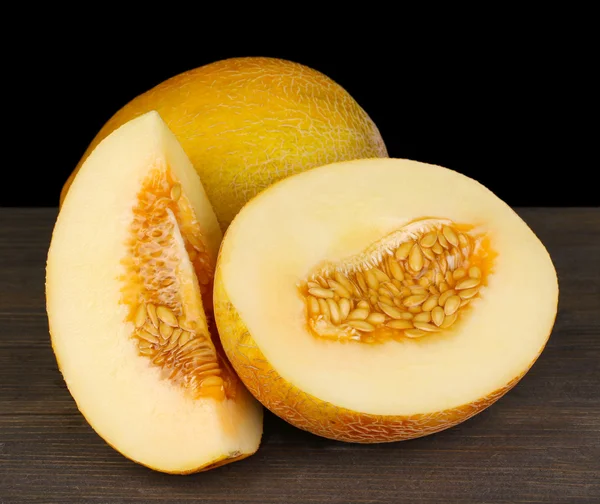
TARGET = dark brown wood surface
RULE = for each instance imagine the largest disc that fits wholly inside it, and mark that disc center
(540, 443)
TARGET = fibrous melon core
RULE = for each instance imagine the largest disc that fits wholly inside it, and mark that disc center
(167, 281)
(416, 281)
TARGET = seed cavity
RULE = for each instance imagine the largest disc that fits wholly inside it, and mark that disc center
(415, 282)
(168, 331)
(182, 354)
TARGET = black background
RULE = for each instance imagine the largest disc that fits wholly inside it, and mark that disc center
(500, 113)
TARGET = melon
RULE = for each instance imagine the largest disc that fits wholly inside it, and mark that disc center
(129, 281)
(381, 300)
(248, 122)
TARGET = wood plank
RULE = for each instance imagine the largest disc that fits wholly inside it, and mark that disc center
(540, 443)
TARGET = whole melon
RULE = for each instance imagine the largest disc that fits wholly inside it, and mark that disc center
(248, 122)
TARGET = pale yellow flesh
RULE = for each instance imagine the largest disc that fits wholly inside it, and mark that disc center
(121, 394)
(337, 211)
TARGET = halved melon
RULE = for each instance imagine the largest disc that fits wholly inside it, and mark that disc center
(381, 300)
(129, 301)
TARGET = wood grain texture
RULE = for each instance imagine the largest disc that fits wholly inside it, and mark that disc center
(540, 443)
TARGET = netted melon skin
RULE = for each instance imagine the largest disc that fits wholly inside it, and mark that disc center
(248, 122)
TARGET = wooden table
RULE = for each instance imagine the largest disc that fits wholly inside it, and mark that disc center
(540, 443)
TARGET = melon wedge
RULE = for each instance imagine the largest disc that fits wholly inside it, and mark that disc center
(129, 302)
(381, 300)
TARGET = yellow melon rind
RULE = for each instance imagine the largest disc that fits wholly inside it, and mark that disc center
(312, 414)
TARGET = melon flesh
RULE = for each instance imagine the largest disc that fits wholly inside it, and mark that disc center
(163, 423)
(401, 388)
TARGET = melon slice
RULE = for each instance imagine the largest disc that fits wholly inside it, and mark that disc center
(381, 300)
(129, 301)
